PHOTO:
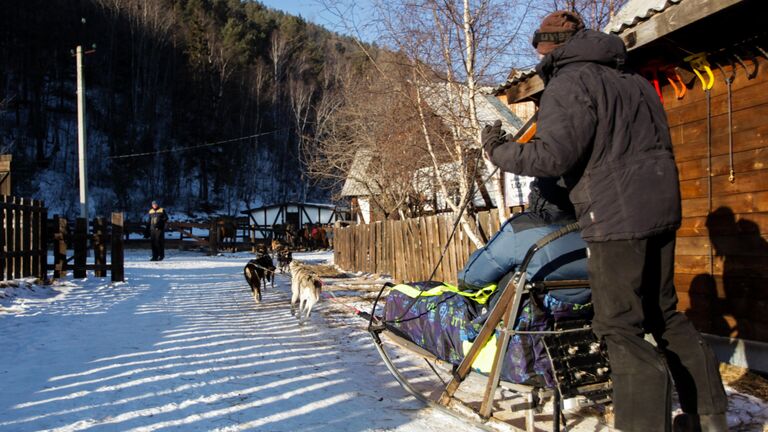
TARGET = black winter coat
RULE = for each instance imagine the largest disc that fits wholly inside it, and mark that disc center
(605, 131)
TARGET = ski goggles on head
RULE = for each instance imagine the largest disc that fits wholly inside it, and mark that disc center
(554, 37)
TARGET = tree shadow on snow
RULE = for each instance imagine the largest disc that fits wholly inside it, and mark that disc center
(193, 351)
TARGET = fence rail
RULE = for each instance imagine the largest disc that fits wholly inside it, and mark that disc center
(76, 237)
(410, 249)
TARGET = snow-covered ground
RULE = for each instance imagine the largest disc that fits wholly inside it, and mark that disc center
(181, 345)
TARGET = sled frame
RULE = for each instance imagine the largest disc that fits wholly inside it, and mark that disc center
(505, 310)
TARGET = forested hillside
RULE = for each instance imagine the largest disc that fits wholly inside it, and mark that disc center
(166, 75)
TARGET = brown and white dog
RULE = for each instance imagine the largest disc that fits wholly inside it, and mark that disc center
(305, 290)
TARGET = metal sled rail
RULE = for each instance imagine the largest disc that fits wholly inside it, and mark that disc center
(406, 385)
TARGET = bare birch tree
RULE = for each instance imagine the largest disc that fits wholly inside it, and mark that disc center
(371, 136)
(452, 47)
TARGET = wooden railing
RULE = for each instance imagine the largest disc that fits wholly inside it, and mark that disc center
(65, 237)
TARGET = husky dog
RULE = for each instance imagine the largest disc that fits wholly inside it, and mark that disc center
(284, 259)
(251, 273)
(305, 289)
(265, 268)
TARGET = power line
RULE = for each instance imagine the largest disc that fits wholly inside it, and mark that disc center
(180, 149)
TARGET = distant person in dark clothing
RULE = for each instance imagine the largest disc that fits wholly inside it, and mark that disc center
(603, 129)
(157, 219)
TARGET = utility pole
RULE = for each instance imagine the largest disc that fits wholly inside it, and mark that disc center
(81, 137)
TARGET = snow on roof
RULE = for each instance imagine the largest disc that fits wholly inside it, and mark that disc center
(442, 98)
(353, 186)
(289, 203)
(489, 109)
(636, 11)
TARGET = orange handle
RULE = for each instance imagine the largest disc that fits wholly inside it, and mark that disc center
(528, 135)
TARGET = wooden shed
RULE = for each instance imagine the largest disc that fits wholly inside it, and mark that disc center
(721, 149)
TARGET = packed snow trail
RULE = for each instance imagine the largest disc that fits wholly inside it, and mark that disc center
(182, 346)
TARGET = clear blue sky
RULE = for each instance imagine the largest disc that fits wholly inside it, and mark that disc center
(316, 12)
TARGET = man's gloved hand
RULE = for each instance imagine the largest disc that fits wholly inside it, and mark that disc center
(492, 136)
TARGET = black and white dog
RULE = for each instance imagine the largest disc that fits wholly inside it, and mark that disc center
(257, 273)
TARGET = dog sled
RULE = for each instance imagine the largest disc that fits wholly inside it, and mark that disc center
(530, 352)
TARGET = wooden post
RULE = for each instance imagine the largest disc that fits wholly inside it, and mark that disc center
(99, 247)
(213, 239)
(60, 247)
(42, 245)
(118, 264)
(35, 240)
(17, 237)
(3, 255)
(81, 247)
(26, 237)
(8, 201)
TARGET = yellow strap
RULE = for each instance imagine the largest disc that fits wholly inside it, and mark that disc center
(480, 296)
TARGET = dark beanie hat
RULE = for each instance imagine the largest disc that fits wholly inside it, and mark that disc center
(555, 29)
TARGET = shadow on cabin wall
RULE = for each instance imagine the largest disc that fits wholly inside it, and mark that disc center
(740, 246)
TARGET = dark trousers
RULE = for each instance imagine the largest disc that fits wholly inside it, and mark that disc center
(158, 244)
(633, 294)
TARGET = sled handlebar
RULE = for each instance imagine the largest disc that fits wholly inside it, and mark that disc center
(549, 238)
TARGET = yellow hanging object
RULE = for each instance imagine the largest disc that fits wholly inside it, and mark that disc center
(700, 65)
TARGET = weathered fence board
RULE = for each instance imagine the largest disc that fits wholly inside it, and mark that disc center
(118, 261)
(409, 250)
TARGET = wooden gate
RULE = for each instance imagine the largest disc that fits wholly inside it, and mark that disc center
(23, 238)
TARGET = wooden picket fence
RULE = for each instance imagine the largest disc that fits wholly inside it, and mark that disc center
(409, 250)
(23, 240)
(27, 234)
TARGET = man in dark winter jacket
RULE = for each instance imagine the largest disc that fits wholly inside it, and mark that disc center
(157, 219)
(603, 129)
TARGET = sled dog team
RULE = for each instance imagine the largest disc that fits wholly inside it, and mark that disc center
(305, 285)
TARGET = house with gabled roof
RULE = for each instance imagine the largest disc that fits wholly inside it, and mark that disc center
(359, 185)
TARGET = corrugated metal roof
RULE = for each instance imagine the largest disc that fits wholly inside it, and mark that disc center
(636, 11)
(517, 77)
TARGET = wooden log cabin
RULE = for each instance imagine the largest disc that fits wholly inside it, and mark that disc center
(721, 148)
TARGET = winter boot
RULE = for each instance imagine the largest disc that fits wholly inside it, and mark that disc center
(700, 423)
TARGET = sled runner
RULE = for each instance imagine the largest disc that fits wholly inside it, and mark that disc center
(497, 354)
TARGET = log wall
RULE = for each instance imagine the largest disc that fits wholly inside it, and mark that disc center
(722, 248)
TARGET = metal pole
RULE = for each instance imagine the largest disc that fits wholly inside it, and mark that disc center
(81, 141)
